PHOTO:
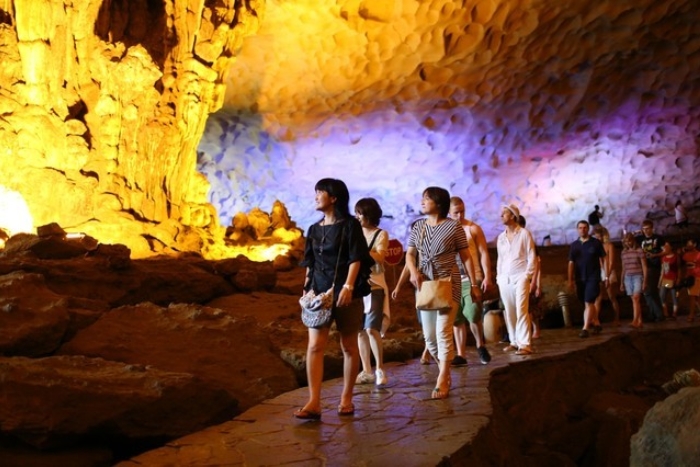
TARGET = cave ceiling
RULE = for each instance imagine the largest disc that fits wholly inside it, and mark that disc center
(555, 106)
(523, 63)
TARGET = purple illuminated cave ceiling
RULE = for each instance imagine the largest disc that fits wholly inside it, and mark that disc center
(555, 107)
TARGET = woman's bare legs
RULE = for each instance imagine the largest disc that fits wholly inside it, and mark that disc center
(318, 339)
(351, 365)
(637, 311)
(364, 348)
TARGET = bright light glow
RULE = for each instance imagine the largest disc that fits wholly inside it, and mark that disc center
(252, 252)
(14, 212)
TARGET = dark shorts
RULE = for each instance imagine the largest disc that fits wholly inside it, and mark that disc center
(348, 319)
(588, 291)
(375, 316)
(468, 310)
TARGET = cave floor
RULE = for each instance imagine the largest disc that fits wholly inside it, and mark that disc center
(399, 421)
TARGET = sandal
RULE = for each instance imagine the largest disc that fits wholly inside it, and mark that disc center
(306, 414)
(440, 393)
(344, 410)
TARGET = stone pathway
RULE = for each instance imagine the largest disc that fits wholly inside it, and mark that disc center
(395, 425)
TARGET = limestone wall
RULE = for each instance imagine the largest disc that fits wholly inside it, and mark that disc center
(103, 105)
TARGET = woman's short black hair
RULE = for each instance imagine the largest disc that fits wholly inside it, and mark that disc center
(441, 197)
(339, 190)
(370, 209)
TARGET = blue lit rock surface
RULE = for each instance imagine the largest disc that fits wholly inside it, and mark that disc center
(556, 107)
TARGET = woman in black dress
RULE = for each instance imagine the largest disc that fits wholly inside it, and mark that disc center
(335, 241)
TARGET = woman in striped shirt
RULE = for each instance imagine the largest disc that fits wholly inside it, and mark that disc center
(433, 247)
(634, 275)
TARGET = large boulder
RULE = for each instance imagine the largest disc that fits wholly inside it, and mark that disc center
(56, 401)
(226, 352)
(33, 319)
(669, 435)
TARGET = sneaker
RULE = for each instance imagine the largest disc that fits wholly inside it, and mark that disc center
(459, 361)
(583, 333)
(381, 378)
(484, 355)
(364, 378)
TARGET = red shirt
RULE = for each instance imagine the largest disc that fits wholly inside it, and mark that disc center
(669, 267)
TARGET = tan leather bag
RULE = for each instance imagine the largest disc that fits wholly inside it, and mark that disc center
(435, 295)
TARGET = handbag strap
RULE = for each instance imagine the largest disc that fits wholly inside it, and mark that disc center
(340, 250)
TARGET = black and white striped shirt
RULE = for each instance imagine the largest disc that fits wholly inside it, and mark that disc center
(437, 247)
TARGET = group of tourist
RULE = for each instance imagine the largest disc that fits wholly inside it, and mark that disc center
(650, 268)
(346, 252)
(443, 245)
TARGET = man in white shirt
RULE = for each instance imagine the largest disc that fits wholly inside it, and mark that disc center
(515, 267)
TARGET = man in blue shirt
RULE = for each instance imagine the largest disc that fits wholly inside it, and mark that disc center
(585, 263)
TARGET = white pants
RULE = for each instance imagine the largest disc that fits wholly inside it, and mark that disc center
(515, 298)
(437, 330)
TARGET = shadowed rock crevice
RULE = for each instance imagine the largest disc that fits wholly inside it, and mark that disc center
(580, 408)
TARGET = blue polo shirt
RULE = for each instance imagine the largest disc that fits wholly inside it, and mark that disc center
(586, 258)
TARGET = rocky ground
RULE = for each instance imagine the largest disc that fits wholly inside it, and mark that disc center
(108, 354)
(104, 357)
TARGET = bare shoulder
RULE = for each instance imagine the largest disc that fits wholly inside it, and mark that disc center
(473, 228)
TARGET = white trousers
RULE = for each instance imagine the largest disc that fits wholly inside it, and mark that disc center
(437, 330)
(515, 298)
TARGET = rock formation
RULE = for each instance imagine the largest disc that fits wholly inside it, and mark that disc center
(103, 106)
(669, 434)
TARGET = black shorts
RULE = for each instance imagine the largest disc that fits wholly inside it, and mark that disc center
(588, 291)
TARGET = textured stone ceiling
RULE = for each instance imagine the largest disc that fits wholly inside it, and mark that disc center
(554, 105)
(542, 64)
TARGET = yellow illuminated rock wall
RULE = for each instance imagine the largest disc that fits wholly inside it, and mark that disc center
(103, 104)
